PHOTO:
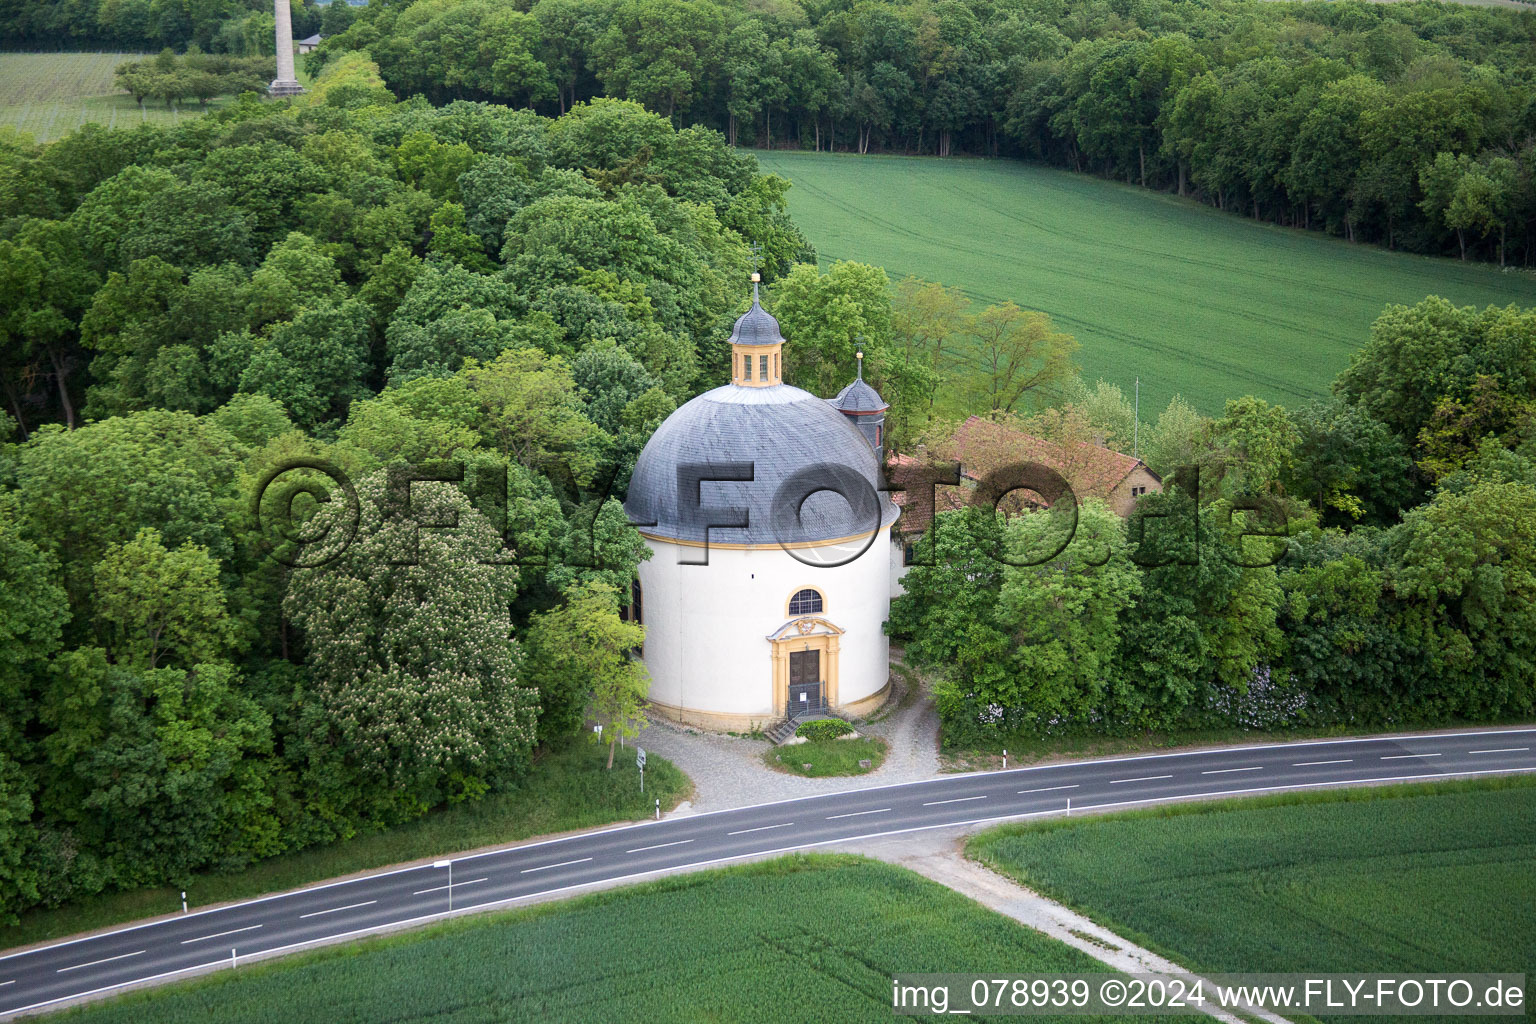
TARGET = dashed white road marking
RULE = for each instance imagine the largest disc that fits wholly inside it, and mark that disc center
(220, 935)
(1304, 764)
(562, 864)
(1048, 789)
(956, 800)
(1399, 757)
(5, 983)
(337, 910)
(1501, 750)
(855, 814)
(760, 828)
(658, 846)
(440, 888)
(93, 963)
(1223, 771)
(1144, 778)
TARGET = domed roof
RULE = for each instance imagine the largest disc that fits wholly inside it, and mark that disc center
(756, 327)
(788, 435)
(858, 397)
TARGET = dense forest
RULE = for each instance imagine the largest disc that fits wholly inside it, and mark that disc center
(190, 315)
(1369, 560)
(241, 27)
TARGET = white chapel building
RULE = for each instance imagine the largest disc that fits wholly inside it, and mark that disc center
(780, 493)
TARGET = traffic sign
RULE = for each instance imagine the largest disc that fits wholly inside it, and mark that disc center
(640, 758)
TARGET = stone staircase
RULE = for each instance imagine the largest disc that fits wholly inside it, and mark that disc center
(784, 728)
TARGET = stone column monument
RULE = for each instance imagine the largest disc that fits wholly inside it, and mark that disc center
(286, 83)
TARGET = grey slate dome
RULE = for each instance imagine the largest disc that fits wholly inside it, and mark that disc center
(858, 397)
(789, 436)
(756, 327)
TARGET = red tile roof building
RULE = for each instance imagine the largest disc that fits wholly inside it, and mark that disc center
(983, 446)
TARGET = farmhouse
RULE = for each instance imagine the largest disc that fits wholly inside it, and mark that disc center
(982, 447)
(769, 582)
(308, 43)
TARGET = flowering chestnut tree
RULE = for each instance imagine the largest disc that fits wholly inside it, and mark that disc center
(410, 651)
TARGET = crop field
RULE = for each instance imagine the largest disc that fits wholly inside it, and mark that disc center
(802, 938)
(1192, 300)
(1438, 877)
(48, 94)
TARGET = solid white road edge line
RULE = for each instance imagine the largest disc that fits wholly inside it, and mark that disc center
(760, 828)
(337, 910)
(219, 935)
(95, 963)
(764, 853)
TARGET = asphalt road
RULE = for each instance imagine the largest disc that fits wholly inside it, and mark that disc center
(36, 978)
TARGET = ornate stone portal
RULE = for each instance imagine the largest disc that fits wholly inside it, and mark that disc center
(286, 83)
(806, 634)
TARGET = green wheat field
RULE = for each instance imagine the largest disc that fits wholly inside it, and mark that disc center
(797, 940)
(1191, 300)
(1414, 879)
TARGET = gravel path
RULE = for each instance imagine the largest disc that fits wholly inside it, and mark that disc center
(940, 855)
(728, 771)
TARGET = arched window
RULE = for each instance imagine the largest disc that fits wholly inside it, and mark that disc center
(805, 602)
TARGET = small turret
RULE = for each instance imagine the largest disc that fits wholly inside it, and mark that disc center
(756, 345)
(865, 409)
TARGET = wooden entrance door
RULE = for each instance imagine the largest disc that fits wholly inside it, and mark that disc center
(804, 683)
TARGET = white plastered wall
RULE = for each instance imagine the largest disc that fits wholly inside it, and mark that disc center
(706, 643)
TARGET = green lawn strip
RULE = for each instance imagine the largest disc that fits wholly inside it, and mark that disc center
(827, 757)
(809, 938)
(1427, 877)
(568, 789)
(1191, 300)
(1024, 749)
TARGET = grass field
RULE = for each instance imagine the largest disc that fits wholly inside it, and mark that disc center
(47, 95)
(804, 938)
(1192, 300)
(568, 789)
(827, 757)
(1436, 877)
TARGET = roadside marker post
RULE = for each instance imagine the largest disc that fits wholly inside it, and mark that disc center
(183, 903)
(658, 808)
(1005, 759)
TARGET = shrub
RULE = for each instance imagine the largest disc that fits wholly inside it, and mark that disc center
(824, 729)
